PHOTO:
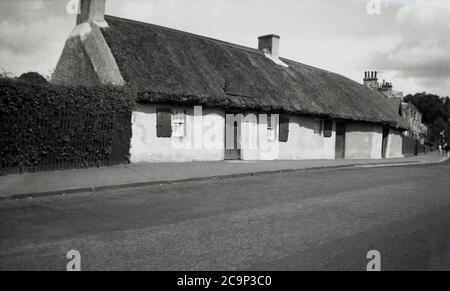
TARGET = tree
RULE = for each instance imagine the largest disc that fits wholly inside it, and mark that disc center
(5, 74)
(33, 77)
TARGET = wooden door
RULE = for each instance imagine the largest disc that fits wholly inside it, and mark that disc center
(233, 153)
(340, 140)
(385, 142)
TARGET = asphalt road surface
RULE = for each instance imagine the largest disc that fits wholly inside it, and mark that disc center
(312, 220)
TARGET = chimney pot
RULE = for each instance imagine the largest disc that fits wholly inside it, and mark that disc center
(271, 43)
(91, 11)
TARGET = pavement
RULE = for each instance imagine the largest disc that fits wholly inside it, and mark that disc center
(134, 175)
(325, 219)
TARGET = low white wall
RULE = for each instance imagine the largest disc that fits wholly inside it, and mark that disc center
(256, 146)
(147, 147)
(394, 149)
(363, 141)
(302, 144)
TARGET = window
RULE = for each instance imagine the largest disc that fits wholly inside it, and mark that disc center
(328, 128)
(284, 129)
(271, 128)
(318, 126)
(179, 123)
(163, 123)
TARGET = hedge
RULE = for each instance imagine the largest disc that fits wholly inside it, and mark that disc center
(34, 78)
(46, 127)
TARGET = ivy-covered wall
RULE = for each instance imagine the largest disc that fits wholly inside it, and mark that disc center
(46, 127)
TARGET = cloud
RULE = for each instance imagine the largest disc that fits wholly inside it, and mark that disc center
(32, 34)
(423, 53)
(409, 40)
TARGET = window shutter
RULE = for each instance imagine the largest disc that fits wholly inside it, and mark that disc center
(328, 128)
(163, 123)
(284, 129)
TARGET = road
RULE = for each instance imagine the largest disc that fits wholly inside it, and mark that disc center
(312, 220)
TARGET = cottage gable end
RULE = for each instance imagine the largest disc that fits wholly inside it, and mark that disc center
(87, 59)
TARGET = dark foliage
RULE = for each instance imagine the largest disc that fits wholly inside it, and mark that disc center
(435, 111)
(34, 78)
(49, 127)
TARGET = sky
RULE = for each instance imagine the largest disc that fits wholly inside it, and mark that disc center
(407, 41)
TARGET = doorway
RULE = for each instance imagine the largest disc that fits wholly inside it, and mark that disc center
(385, 142)
(340, 140)
(232, 137)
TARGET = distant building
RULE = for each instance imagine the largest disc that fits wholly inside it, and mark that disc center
(410, 113)
(413, 117)
(371, 81)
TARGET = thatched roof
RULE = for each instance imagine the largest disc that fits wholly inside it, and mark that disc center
(170, 66)
(396, 104)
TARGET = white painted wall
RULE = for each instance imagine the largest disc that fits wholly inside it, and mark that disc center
(363, 141)
(147, 147)
(394, 149)
(255, 142)
(303, 143)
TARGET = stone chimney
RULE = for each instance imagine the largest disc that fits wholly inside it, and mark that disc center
(387, 89)
(270, 44)
(371, 80)
(91, 11)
